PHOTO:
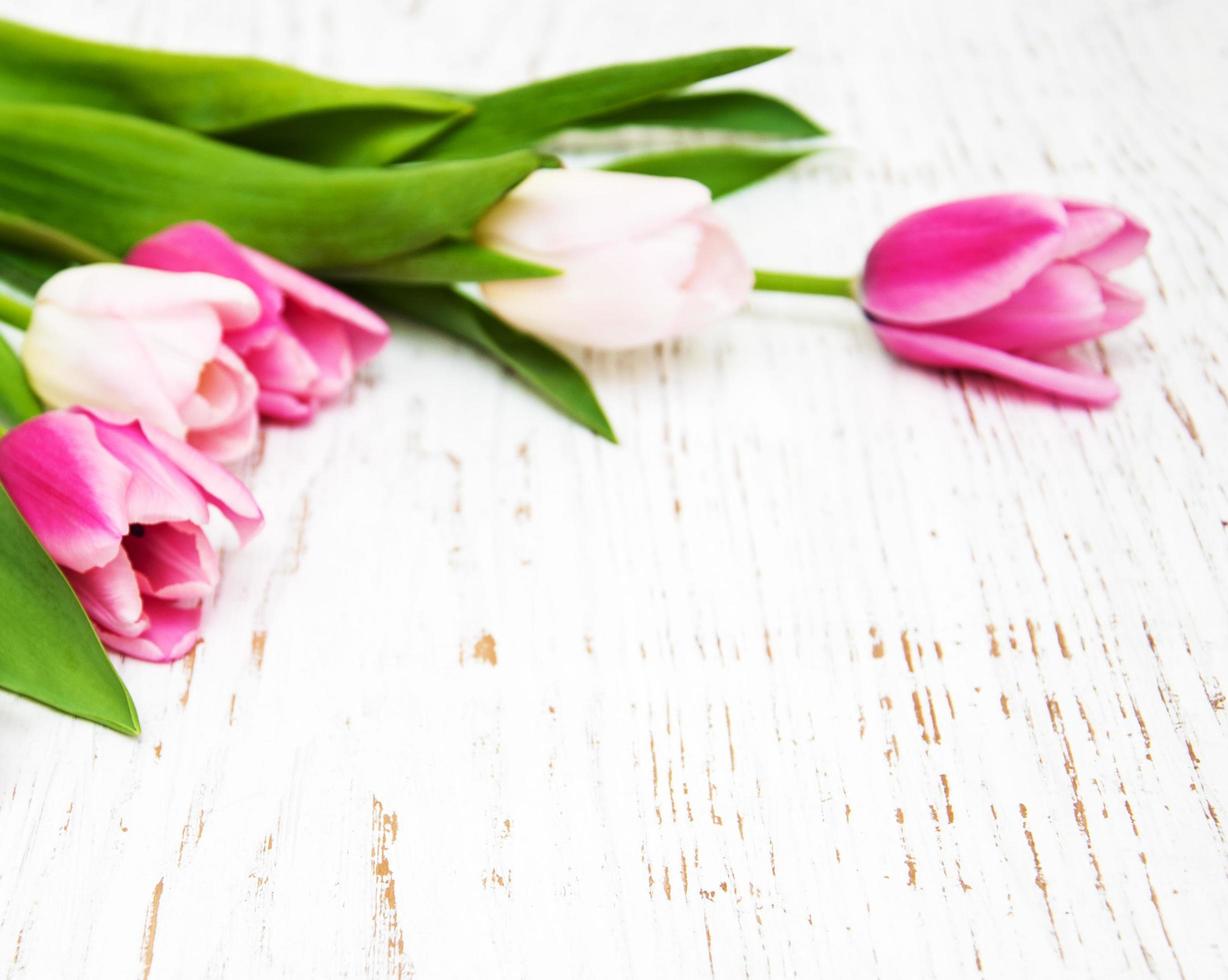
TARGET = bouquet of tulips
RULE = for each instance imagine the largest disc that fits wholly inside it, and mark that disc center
(191, 247)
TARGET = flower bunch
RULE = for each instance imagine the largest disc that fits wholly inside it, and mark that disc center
(191, 254)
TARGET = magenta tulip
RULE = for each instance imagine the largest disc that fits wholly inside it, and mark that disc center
(121, 505)
(1002, 284)
(309, 338)
(148, 344)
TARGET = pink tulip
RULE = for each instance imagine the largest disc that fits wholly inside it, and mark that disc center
(148, 344)
(643, 259)
(309, 337)
(120, 505)
(1002, 284)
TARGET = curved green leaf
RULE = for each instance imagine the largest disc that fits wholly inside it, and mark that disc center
(448, 261)
(257, 103)
(522, 116)
(48, 650)
(735, 112)
(724, 169)
(116, 179)
(537, 364)
(17, 400)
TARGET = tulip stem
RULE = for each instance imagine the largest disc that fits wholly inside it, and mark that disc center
(797, 282)
(15, 310)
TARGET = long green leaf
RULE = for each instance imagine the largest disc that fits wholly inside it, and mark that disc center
(448, 261)
(735, 112)
(246, 100)
(114, 180)
(520, 117)
(724, 169)
(17, 401)
(540, 366)
(48, 649)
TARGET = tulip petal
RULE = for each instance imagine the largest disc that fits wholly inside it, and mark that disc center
(282, 364)
(721, 279)
(220, 487)
(173, 561)
(958, 259)
(172, 633)
(326, 343)
(284, 406)
(111, 596)
(1122, 304)
(159, 491)
(68, 487)
(936, 350)
(1121, 247)
(554, 211)
(1060, 306)
(366, 331)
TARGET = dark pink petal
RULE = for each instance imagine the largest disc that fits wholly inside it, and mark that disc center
(111, 596)
(368, 333)
(282, 364)
(960, 258)
(221, 489)
(159, 490)
(283, 406)
(1126, 242)
(1122, 304)
(936, 350)
(173, 561)
(326, 342)
(69, 488)
(172, 632)
(1060, 306)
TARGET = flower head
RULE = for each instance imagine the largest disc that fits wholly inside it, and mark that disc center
(308, 338)
(1002, 284)
(149, 344)
(643, 259)
(121, 507)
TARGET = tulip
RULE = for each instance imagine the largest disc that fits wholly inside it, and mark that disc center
(148, 344)
(643, 259)
(1002, 284)
(309, 338)
(120, 505)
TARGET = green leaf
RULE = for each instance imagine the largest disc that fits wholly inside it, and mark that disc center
(724, 169)
(17, 401)
(116, 179)
(448, 261)
(257, 103)
(30, 236)
(735, 112)
(520, 117)
(540, 366)
(48, 649)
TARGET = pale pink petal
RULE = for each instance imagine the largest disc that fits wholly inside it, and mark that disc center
(69, 488)
(936, 350)
(128, 291)
(1126, 243)
(960, 258)
(720, 281)
(111, 596)
(159, 490)
(172, 561)
(221, 414)
(367, 332)
(1061, 305)
(561, 210)
(172, 633)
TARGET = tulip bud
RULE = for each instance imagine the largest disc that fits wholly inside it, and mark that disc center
(309, 337)
(643, 259)
(1002, 284)
(121, 506)
(147, 344)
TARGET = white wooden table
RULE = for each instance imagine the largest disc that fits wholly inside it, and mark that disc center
(833, 667)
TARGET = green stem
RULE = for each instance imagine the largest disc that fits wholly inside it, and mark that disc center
(796, 282)
(15, 310)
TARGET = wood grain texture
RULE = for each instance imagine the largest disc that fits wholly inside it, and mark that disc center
(832, 667)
